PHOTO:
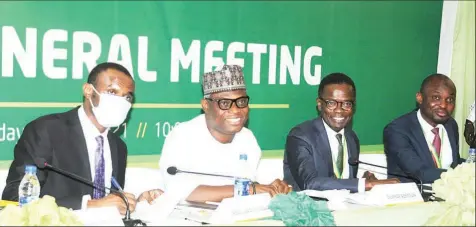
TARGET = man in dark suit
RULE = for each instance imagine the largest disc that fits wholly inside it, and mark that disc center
(424, 143)
(318, 151)
(79, 141)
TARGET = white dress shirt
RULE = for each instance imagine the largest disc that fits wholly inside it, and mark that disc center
(446, 154)
(90, 133)
(334, 143)
(191, 147)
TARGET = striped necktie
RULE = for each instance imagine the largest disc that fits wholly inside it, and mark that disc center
(99, 180)
(340, 154)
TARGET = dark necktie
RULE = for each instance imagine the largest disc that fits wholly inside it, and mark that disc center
(437, 141)
(100, 172)
(340, 155)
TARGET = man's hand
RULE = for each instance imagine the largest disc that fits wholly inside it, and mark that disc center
(115, 200)
(369, 184)
(369, 176)
(150, 195)
(276, 187)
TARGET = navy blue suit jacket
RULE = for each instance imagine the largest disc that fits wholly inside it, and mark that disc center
(407, 150)
(308, 159)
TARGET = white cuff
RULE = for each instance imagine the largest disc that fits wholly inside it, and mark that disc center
(84, 202)
(361, 187)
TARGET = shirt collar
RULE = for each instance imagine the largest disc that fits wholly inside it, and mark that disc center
(331, 131)
(89, 129)
(425, 125)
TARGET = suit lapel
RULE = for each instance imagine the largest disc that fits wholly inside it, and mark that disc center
(324, 141)
(113, 147)
(78, 142)
(352, 151)
(420, 137)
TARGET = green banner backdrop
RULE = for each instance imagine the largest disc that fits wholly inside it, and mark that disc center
(286, 48)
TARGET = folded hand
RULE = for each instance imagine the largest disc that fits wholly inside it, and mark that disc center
(150, 195)
(276, 187)
(369, 184)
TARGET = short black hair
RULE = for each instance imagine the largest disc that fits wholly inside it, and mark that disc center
(336, 78)
(435, 76)
(93, 75)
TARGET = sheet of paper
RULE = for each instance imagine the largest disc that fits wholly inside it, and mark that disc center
(336, 198)
(235, 209)
(103, 216)
(193, 214)
(365, 199)
(164, 205)
(330, 195)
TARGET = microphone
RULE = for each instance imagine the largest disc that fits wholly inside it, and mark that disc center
(354, 162)
(42, 164)
(172, 170)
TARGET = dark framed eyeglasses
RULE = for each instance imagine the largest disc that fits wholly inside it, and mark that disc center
(225, 104)
(332, 104)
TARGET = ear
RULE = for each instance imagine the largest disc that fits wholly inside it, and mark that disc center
(419, 98)
(319, 104)
(205, 105)
(87, 91)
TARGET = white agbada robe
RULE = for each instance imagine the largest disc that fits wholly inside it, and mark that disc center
(191, 147)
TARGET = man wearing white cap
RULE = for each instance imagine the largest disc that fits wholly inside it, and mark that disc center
(212, 142)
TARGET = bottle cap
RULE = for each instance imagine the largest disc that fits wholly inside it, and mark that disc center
(30, 169)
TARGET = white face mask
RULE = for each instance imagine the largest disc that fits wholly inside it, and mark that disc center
(112, 109)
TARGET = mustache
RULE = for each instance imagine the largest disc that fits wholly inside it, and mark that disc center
(441, 110)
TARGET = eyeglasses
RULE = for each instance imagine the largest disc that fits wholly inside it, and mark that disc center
(332, 104)
(225, 104)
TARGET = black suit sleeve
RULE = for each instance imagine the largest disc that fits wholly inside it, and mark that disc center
(399, 149)
(304, 172)
(33, 143)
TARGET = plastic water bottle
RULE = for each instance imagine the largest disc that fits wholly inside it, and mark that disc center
(472, 155)
(242, 185)
(29, 189)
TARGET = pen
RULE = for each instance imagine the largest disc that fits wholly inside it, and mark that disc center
(201, 222)
(116, 184)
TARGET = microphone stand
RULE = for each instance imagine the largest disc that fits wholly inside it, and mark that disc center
(128, 221)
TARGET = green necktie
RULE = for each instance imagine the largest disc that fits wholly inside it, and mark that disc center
(340, 155)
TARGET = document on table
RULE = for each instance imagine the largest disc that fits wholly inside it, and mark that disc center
(336, 198)
(244, 208)
(365, 199)
(102, 216)
(330, 195)
(164, 205)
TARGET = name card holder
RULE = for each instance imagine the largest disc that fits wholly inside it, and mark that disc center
(391, 194)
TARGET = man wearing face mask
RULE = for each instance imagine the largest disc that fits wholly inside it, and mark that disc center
(318, 151)
(80, 141)
(212, 142)
(424, 143)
